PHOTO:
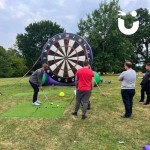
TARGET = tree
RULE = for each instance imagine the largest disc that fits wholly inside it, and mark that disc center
(141, 39)
(11, 63)
(17, 63)
(31, 43)
(110, 47)
(5, 66)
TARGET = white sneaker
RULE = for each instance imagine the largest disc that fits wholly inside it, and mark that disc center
(35, 104)
(39, 102)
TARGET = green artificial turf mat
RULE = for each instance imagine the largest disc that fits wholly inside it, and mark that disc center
(45, 110)
(43, 93)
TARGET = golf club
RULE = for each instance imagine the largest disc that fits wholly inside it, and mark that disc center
(94, 78)
(73, 97)
(45, 96)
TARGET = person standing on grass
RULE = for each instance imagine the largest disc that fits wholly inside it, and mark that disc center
(142, 91)
(36, 82)
(146, 84)
(128, 79)
(84, 85)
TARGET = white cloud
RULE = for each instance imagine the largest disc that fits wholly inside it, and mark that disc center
(2, 4)
(60, 2)
(124, 3)
(16, 12)
(130, 5)
(71, 18)
(15, 15)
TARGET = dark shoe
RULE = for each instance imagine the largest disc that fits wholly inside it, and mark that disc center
(146, 104)
(141, 101)
(84, 117)
(124, 116)
(74, 113)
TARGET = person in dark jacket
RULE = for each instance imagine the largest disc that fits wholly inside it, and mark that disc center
(142, 92)
(36, 83)
(146, 84)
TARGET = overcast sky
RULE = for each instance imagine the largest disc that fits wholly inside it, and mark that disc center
(15, 15)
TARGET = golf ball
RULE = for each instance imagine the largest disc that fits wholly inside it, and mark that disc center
(51, 103)
(57, 105)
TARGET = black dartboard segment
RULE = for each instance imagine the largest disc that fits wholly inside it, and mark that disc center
(65, 54)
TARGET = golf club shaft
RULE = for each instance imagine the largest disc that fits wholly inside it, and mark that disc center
(45, 95)
(94, 78)
(99, 88)
(72, 100)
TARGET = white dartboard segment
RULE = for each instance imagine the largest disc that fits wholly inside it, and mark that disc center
(68, 66)
(70, 45)
(73, 53)
(50, 57)
(80, 58)
(54, 66)
(75, 65)
(77, 50)
(58, 52)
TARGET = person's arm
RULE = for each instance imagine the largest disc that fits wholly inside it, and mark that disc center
(76, 80)
(93, 79)
(120, 78)
(92, 82)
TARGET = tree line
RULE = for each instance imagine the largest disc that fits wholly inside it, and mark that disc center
(12, 64)
(111, 48)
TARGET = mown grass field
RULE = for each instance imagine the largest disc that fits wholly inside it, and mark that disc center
(102, 130)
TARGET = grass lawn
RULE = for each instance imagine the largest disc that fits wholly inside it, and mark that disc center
(102, 130)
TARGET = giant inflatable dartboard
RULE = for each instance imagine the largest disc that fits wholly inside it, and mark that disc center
(65, 53)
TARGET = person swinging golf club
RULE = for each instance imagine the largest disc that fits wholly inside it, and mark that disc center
(36, 82)
(84, 85)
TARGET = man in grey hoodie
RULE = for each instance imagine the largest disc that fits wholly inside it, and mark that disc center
(36, 83)
(128, 79)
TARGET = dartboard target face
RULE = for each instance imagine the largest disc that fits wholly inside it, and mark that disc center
(65, 54)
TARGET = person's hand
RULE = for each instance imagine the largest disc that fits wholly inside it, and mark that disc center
(40, 87)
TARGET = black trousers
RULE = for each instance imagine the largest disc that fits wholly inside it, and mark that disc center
(148, 95)
(142, 94)
(127, 97)
(82, 97)
(36, 90)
